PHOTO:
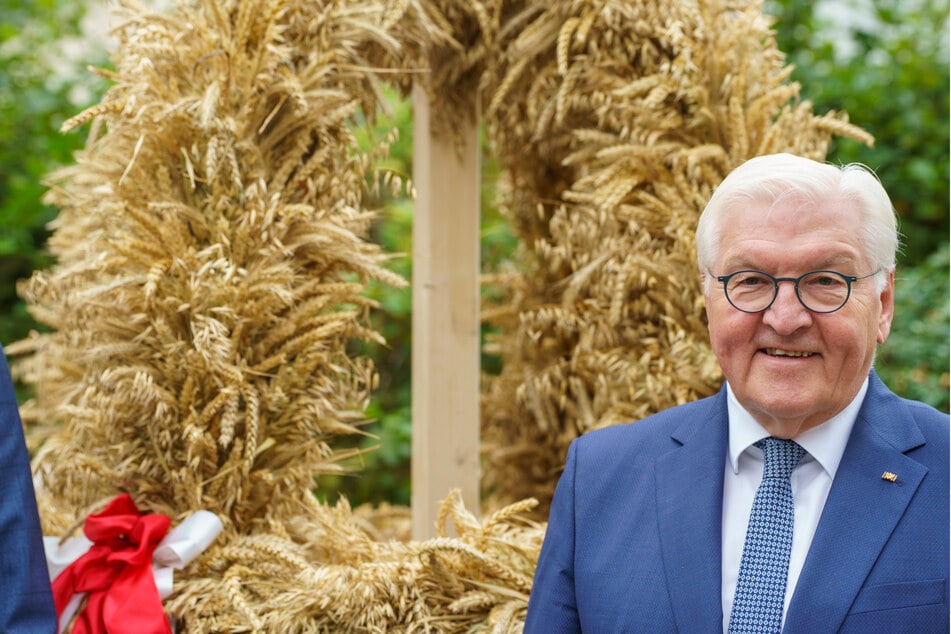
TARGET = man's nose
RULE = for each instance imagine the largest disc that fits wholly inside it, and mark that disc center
(787, 314)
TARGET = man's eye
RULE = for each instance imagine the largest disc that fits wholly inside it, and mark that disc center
(825, 281)
(750, 280)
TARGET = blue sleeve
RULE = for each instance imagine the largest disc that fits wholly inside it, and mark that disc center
(26, 599)
(552, 606)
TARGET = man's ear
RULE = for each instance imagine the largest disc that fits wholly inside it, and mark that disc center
(887, 299)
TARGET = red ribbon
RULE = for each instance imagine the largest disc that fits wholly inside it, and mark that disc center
(116, 572)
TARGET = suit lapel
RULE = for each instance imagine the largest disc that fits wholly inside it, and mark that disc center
(860, 514)
(690, 505)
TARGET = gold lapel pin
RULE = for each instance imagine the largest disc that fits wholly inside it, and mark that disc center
(891, 477)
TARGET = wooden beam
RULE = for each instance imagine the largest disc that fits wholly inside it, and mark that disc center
(445, 387)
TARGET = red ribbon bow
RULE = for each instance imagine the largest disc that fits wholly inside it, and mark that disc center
(116, 573)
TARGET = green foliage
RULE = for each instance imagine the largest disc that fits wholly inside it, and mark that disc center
(381, 471)
(914, 361)
(40, 87)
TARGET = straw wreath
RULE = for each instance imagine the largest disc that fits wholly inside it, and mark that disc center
(212, 257)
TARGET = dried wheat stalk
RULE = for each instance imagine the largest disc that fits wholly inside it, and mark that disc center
(212, 255)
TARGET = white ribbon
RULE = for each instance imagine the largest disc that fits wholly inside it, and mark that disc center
(179, 547)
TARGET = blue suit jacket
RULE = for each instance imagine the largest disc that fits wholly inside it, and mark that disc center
(26, 600)
(633, 541)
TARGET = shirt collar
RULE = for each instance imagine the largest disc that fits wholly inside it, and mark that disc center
(825, 443)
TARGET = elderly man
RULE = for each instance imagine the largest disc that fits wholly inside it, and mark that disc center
(26, 599)
(804, 496)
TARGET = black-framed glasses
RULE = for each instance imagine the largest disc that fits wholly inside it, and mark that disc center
(819, 291)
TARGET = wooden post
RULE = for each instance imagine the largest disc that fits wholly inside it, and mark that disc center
(445, 350)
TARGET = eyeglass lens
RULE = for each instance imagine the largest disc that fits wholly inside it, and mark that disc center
(819, 291)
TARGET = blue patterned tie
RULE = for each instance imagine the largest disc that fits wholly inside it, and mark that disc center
(761, 586)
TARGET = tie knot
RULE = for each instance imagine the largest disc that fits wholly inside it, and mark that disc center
(780, 456)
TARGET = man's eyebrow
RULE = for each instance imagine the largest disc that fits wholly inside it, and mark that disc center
(836, 260)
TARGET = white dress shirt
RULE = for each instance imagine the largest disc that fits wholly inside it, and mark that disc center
(811, 482)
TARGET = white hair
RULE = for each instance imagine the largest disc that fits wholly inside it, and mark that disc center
(772, 178)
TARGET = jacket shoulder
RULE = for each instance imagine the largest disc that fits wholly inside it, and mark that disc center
(652, 433)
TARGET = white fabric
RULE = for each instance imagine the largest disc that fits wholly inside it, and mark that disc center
(811, 482)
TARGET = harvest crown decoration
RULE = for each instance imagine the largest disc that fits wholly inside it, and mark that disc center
(212, 255)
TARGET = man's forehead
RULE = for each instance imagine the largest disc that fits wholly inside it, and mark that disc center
(762, 261)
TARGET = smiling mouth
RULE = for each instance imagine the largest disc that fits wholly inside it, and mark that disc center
(776, 352)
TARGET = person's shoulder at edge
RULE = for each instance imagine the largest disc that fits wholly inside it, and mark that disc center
(935, 424)
(922, 410)
(923, 413)
(653, 431)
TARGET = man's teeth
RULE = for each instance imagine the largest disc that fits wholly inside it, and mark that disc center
(776, 352)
